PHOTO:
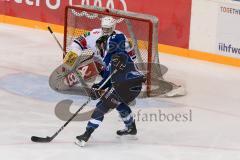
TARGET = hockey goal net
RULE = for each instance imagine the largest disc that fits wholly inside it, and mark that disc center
(141, 30)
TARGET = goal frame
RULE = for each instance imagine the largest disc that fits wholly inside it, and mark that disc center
(115, 13)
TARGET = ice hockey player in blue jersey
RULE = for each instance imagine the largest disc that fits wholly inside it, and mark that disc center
(123, 87)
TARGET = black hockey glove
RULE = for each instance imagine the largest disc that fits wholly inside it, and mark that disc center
(95, 94)
(96, 86)
(119, 61)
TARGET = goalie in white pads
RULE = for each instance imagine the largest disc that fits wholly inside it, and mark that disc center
(94, 41)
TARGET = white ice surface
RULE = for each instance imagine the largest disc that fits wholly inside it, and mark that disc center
(213, 97)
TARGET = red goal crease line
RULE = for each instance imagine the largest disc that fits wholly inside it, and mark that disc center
(161, 48)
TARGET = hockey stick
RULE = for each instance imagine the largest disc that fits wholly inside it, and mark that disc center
(50, 30)
(69, 103)
(49, 139)
(64, 102)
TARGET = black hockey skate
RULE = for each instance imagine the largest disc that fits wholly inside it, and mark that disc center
(82, 139)
(131, 130)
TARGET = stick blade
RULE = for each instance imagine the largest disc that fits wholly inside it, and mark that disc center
(41, 139)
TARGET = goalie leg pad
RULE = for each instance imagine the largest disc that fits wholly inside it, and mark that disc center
(90, 69)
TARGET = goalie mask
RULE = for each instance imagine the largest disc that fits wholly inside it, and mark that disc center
(108, 25)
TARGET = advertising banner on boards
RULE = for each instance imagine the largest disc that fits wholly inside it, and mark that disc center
(174, 15)
(228, 30)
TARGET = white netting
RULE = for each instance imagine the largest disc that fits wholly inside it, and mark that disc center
(91, 16)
